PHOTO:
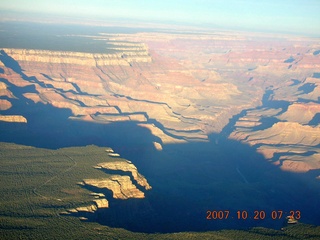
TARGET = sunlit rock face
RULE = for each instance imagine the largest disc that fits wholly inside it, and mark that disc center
(121, 186)
(287, 132)
(126, 167)
(79, 58)
(13, 118)
(183, 87)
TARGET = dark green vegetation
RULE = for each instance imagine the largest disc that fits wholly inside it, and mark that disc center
(37, 184)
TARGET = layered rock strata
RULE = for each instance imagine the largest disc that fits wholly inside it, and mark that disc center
(183, 87)
(287, 133)
(121, 186)
(126, 166)
(78, 58)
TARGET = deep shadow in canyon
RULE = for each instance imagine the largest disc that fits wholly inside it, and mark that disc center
(187, 179)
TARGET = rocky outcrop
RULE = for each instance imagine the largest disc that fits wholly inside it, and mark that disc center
(121, 186)
(90, 208)
(299, 163)
(101, 203)
(159, 133)
(98, 204)
(157, 146)
(13, 118)
(5, 104)
(5, 92)
(126, 166)
(3, 86)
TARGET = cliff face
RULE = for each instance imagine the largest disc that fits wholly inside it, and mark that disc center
(288, 136)
(121, 186)
(182, 87)
(132, 88)
(78, 58)
(302, 113)
(287, 133)
(126, 167)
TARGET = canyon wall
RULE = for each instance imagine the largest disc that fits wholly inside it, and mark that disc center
(184, 87)
(79, 58)
(121, 186)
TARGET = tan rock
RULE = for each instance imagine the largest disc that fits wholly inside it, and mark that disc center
(159, 133)
(13, 118)
(302, 113)
(121, 186)
(157, 146)
(78, 58)
(126, 166)
(100, 195)
(101, 203)
(3, 86)
(282, 133)
(112, 155)
(73, 210)
(5, 104)
(91, 208)
(298, 163)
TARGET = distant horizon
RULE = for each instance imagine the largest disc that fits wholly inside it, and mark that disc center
(141, 24)
(288, 17)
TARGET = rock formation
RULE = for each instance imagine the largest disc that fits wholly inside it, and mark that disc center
(5, 104)
(126, 167)
(121, 186)
(287, 132)
(302, 113)
(157, 146)
(13, 118)
(98, 204)
(101, 203)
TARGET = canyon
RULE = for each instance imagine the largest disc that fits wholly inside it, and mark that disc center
(183, 87)
(204, 115)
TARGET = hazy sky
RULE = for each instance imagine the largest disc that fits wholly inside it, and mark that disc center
(301, 16)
